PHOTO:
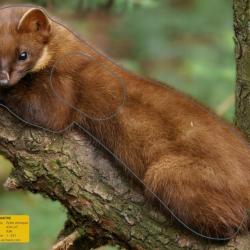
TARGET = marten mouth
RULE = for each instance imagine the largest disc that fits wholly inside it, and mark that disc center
(4, 83)
(4, 77)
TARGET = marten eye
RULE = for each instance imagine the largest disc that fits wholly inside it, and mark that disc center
(22, 56)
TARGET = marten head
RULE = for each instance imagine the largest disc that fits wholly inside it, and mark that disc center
(24, 36)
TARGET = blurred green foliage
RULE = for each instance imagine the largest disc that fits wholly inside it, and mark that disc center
(191, 48)
(5, 169)
(46, 219)
(86, 5)
(110, 248)
(186, 43)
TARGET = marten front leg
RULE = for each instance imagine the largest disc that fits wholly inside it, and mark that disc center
(45, 110)
(205, 199)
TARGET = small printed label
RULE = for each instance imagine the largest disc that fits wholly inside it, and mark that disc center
(14, 229)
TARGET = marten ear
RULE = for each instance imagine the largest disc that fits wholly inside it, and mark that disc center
(34, 20)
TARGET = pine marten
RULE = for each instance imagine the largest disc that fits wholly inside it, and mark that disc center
(197, 164)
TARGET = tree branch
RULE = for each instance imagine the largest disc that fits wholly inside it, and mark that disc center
(103, 205)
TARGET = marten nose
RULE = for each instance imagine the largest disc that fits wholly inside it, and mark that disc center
(4, 77)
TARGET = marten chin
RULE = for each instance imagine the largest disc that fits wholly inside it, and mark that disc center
(193, 161)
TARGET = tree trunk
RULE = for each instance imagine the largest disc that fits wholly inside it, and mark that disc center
(242, 43)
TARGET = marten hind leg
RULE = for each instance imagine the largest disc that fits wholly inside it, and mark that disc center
(201, 197)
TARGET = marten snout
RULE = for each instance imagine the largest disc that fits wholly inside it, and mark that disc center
(4, 77)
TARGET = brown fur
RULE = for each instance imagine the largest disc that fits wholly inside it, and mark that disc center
(196, 163)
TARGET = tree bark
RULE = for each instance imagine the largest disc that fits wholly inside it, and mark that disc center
(242, 49)
(103, 206)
